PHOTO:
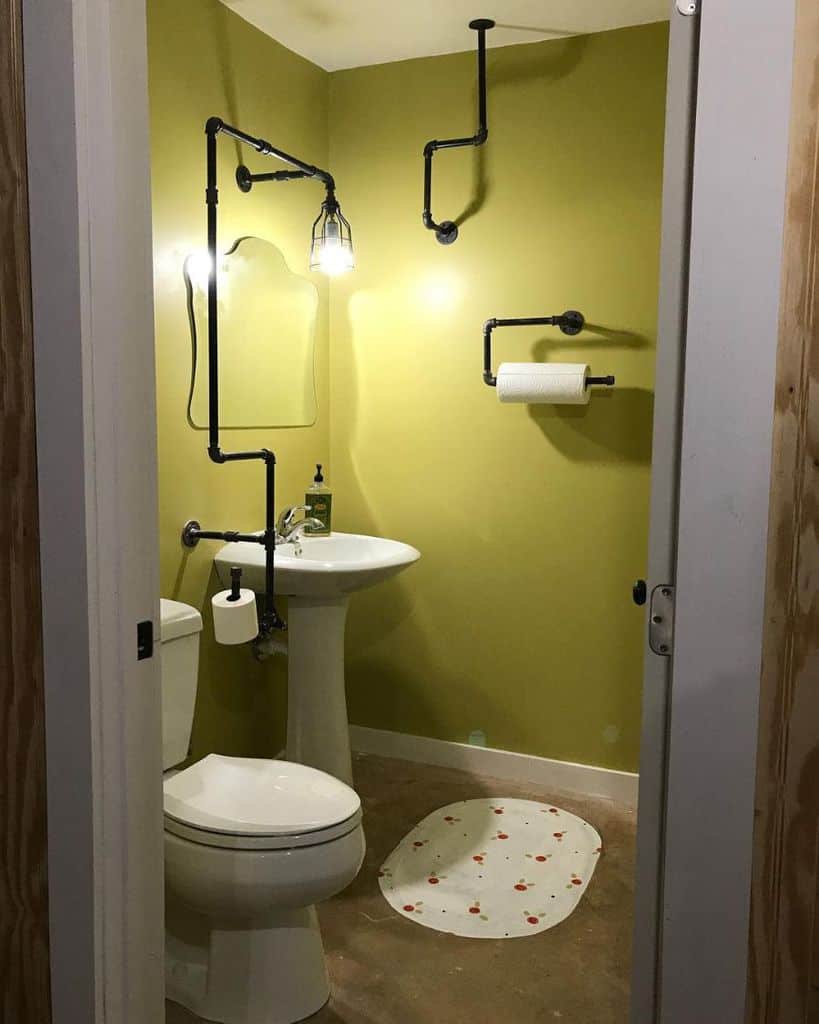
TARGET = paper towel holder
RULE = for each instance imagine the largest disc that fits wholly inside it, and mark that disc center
(570, 322)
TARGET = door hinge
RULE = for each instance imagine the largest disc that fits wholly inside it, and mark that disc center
(661, 620)
(687, 7)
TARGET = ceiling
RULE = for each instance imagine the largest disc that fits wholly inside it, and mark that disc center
(339, 34)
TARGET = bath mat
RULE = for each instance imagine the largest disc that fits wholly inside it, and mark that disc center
(492, 868)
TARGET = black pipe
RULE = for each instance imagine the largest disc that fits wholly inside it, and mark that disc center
(213, 127)
(272, 617)
(571, 322)
(245, 180)
(229, 536)
(212, 200)
(216, 124)
(447, 231)
(192, 533)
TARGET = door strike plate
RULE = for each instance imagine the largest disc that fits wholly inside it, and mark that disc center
(687, 7)
(661, 620)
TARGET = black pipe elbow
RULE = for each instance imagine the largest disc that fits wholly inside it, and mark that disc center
(213, 125)
(215, 454)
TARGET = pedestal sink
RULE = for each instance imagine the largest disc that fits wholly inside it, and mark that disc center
(318, 575)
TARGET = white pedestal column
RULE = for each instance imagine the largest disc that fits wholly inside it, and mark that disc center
(318, 733)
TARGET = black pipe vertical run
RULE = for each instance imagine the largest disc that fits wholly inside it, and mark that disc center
(212, 129)
(270, 617)
(244, 179)
(482, 24)
(447, 231)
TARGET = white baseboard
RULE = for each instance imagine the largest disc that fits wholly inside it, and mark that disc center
(578, 779)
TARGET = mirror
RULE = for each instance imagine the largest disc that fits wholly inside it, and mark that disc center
(267, 323)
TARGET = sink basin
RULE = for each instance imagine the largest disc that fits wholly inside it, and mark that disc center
(319, 566)
(318, 575)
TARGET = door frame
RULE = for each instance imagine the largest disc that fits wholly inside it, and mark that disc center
(665, 474)
(86, 99)
(86, 95)
(701, 778)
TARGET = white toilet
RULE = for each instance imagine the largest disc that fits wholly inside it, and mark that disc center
(251, 845)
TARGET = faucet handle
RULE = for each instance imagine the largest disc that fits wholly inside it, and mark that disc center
(285, 520)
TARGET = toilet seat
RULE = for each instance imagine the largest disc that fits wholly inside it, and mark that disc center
(232, 841)
(258, 804)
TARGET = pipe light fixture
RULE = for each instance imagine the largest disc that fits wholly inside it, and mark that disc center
(331, 246)
(331, 250)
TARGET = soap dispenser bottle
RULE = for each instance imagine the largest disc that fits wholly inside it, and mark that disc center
(320, 500)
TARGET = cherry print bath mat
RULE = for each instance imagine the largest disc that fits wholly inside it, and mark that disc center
(492, 868)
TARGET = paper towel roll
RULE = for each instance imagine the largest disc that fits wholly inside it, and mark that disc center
(235, 622)
(541, 383)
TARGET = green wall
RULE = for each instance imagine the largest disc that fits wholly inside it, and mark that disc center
(205, 60)
(532, 522)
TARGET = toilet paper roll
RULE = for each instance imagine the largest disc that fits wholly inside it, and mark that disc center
(543, 383)
(235, 622)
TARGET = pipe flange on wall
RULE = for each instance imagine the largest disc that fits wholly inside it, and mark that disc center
(190, 533)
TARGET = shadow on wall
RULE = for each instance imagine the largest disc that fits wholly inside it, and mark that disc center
(219, 17)
(617, 423)
(226, 701)
(481, 186)
(567, 55)
(615, 426)
(380, 694)
(561, 64)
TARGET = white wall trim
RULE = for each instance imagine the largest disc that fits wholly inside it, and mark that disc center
(566, 776)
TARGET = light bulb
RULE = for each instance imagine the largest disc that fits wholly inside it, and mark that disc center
(335, 257)
(198, 267)
(332, 247)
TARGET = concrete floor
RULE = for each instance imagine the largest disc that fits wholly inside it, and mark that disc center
(386, 970)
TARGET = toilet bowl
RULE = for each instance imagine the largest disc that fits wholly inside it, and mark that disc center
(250, 847)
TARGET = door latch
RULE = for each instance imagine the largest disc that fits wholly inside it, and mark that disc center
(145, 640)
(661, 620)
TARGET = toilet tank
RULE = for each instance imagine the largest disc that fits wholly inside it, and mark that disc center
(180, 626)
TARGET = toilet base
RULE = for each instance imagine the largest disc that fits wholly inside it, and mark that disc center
(270, 971)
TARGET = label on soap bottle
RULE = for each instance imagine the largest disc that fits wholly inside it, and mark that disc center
(321, 507)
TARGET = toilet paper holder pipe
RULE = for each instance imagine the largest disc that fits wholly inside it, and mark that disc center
(571, 322)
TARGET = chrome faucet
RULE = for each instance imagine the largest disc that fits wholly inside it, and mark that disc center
(290, 532)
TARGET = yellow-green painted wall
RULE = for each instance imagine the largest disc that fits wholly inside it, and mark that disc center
(531, 521)
(205, 60)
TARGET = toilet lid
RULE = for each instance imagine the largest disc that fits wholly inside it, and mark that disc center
(257, 797)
